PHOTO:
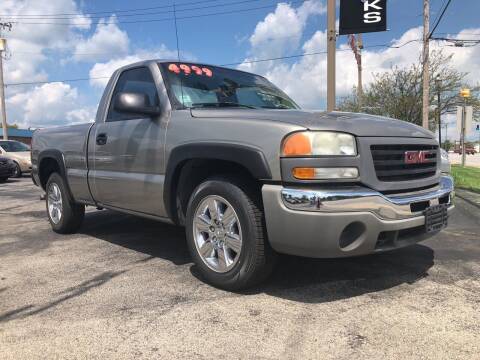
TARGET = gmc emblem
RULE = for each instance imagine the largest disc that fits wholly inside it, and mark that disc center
(417, 157)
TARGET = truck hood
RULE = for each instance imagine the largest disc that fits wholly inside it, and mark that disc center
(353, 123)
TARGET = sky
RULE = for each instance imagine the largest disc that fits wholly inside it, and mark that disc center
(58, 40)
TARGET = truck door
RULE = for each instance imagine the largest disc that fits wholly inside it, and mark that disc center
(127, 161)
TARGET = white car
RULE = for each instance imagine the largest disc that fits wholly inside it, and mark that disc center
(445, 164)
(19, 153)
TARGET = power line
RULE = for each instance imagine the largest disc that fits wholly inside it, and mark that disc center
(439, 19)
(162, 19)
(56, 81)
(459, 42)
(88, 17)
(109, 11)
(229, 64)
(439, 11)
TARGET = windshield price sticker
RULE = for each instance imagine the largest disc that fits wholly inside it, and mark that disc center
(187, 70)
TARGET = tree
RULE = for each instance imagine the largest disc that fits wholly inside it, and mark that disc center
(398, 92)
(447, 145)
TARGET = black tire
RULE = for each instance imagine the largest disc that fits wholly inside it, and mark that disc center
(72, 213)
(18, 171)
(3, 179)
(256, 258)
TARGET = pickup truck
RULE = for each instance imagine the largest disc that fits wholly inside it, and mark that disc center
(234, 160)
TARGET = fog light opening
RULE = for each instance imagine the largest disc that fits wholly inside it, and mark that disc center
(352, 236)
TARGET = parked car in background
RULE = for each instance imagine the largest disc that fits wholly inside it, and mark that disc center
(7, 168)
(469, 149)
(19, 153)
(445, 162)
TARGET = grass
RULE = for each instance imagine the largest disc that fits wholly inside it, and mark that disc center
(466, 177)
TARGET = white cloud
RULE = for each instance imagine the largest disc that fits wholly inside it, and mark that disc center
(47, 105)
(108, 41)
(100, 72)
(305, 78)
(31, 45)
(28, 42)
(281, 31)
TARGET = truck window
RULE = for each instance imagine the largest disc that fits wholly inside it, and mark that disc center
(139, 80)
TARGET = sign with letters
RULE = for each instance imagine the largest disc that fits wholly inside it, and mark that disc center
(362, 16)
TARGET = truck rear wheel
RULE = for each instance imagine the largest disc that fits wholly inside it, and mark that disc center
(65, 215)
(226, 235)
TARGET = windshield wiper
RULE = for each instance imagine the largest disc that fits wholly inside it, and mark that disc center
(222, 104)
(277, 107)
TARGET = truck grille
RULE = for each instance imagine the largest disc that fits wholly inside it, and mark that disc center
(3, 162)
(391, 165)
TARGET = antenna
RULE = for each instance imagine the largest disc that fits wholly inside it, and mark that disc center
(178, 48)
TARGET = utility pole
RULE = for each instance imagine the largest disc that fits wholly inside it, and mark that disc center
(359, 68)
(465, 93)
(438, 84)
(446, 132)
(3, 113)
(426, 62)
(3, 49)
(356, 44)
(331, 54)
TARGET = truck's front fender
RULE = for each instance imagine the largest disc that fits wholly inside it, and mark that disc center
(249, 157)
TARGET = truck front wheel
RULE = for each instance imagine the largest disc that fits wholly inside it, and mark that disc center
(226, 234)
(65, 215)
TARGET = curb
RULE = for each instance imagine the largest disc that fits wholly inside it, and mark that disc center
(468, 196)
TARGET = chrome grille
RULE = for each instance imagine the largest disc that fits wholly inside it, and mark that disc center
(391, 165)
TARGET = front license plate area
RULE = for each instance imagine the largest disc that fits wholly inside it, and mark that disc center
(436, 218)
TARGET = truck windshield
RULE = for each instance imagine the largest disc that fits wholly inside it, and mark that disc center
(193, 85)
(14, 146)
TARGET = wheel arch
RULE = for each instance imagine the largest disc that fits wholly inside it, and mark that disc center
(50, 161)
(191, 163)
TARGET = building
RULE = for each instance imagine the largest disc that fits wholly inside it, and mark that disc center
(22, 135)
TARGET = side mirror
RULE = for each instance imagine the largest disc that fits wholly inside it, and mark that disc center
(135, 103)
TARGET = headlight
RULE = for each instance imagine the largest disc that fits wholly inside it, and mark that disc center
(319, 143)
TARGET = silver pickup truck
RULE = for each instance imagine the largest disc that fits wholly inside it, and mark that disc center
(249, 174)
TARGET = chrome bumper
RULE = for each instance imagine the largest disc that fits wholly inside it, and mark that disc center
(331, 223)
(362, 199)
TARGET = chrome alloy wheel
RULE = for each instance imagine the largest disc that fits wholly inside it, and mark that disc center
(54, 203)
(217, 233)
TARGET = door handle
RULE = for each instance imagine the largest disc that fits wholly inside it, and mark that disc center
(101, 139)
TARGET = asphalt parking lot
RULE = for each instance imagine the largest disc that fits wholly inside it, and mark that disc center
(125, 288)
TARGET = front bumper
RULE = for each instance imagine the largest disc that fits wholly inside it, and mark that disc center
(348, 221)
(26, 167)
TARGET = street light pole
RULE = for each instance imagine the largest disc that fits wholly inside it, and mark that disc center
(465, 93)
(331, 56)
(3, 113)
(462, 139)
(438, 82)
(426, 63)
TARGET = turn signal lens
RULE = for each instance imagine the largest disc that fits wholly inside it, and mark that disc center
(304, 173)
(297, 144)
(325, 173)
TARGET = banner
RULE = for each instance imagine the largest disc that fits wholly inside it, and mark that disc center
(362, 16)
